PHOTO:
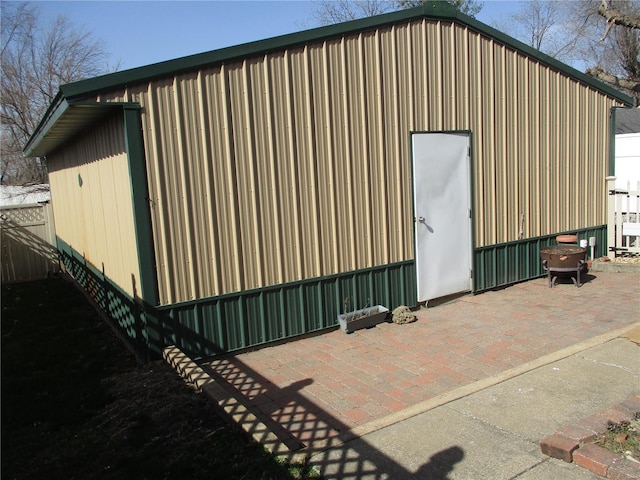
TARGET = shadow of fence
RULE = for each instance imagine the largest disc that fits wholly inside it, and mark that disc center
(280, 417)
(292, 426)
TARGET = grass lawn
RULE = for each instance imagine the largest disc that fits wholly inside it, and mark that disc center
(75, 405)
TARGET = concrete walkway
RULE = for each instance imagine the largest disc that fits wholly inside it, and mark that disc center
(505, 367)
(494, 433)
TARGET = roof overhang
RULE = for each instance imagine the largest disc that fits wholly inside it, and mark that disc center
(64, 120)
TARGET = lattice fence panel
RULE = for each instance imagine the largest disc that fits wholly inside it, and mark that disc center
(28, 234)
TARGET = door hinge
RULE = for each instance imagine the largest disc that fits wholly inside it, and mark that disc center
(471, 273)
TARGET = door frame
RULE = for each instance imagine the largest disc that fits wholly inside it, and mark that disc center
(472, 244)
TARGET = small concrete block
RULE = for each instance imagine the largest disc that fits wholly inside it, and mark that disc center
(595, 458)
(624, 470)
(558, 446)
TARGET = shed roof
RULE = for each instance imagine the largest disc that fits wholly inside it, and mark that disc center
(63, 119)
(627, 120)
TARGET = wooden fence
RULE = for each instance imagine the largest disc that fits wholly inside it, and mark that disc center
(28, 242)
(624, 219)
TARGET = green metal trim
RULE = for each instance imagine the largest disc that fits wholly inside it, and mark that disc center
(612, 143)
(512, 262)
(140, 201)
(432, 10)
(314, 280)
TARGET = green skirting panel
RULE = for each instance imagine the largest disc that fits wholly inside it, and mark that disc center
(232, 322)
(512, 262)
(236, 321)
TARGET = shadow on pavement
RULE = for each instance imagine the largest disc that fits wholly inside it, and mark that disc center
(308, 429)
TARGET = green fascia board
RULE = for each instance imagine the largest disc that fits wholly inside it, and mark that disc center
(57, 108)
(438, 10)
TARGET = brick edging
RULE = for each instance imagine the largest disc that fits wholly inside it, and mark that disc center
(227, 403)
(572, 442)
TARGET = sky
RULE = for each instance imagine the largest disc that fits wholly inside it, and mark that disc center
(138, 33)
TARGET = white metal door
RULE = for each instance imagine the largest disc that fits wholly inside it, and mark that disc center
(442, 206)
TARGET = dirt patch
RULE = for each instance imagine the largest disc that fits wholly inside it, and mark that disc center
(75, 405)
(622, 438)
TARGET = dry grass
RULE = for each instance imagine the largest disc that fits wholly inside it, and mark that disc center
(622, 438)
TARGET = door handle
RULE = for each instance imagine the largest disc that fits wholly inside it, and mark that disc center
(423, 221)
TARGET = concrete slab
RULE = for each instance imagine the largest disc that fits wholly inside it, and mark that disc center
(442, 443)
(556, 469)
(495, 432)
(535, 403)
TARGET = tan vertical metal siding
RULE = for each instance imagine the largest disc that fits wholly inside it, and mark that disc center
(297, 164)
(91, 194)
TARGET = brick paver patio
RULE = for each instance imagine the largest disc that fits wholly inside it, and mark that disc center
(320, 386)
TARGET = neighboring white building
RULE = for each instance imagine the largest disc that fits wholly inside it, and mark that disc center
(627, 148)
(19, 195)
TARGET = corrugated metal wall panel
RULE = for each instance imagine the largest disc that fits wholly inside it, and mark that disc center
(296, 164)
(303, 210)
(90, 189)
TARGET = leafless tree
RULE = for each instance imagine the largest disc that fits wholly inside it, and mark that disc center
(328, 12)
(535, 23)
(620, 41)
(37, 58)
(597, 36)
(468, 7)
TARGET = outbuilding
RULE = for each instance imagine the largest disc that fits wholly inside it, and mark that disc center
(250, 194)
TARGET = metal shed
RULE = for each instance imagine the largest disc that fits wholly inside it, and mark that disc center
(240, 196)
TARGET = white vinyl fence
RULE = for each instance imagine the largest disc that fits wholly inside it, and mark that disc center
(624, 219)
(28, 242)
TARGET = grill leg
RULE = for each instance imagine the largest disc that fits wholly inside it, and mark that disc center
(545, 266)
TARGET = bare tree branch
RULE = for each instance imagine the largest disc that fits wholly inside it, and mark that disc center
(35, 60)
(623, 83)
(335, 11)
(617, 17)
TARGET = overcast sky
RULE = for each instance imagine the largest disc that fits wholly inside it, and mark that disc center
(143, 32)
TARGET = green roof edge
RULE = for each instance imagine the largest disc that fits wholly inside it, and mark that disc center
(438, 10)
